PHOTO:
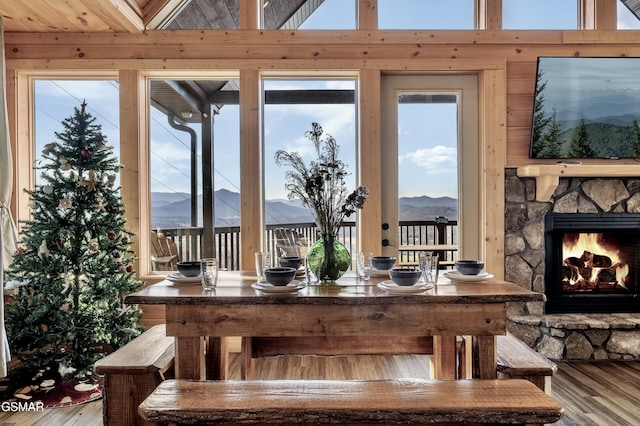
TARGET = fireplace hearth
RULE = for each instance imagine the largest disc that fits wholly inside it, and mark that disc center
(592, 263)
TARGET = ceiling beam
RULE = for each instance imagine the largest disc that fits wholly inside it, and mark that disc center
(158, 13)
(120, 11)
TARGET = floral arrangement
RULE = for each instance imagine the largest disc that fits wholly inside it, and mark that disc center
(320, 185)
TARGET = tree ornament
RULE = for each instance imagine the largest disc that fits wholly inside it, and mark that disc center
(129, 268)
(47, 149)
(111, 180)
(64, 163)
(43, 250)
(90, 183)
(112, 236)
(61, 241)
(66, 203)
(100, 206)
(85, 153)
(103, 305)
(33, 204)
(47, 189)
(123, 310)
(94, 247)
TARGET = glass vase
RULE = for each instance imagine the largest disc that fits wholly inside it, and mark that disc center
(328, 258)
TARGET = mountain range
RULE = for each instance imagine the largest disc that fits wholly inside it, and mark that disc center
(171, 209)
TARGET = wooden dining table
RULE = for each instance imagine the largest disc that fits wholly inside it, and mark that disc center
(202, 321)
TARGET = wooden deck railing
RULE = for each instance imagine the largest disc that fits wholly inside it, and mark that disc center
(440, 236)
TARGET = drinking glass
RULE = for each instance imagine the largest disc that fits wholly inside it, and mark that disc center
(209, 273)
(429, 267)
(263, 261)
(364, 265)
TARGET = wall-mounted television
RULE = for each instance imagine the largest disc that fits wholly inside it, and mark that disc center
(586, 107)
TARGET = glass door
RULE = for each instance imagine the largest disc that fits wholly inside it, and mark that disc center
(430, 167)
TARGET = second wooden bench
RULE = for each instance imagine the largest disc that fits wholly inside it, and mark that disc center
(401, 401)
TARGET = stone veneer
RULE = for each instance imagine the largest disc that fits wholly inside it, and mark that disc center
(564, 336)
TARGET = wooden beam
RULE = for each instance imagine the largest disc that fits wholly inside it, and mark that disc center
(489, 14)
(134, 177)
(158, 13)
(369, 165)
(367, 14)
(493, 148)
(250, 11)
(251, 206)
(117, 14)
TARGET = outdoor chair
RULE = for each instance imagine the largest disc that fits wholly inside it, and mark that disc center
(164, 253)
(289, 242)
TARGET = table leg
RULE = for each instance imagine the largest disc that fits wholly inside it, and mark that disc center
(444, 358)
(189, 358)
(486, 355)
(247, 366)
(217, 358)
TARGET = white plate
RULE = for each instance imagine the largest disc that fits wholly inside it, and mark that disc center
(392, 287)
(293, 286)
(457, 276)
(178, 278)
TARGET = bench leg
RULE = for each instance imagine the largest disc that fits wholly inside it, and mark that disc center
(122, 395)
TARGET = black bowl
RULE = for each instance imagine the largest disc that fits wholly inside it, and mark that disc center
(189, 269)
(279, 275)
(469, 267)
(405, 276)
(383, 262)
(291, 261)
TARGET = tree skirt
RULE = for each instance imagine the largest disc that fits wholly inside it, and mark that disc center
(63, 394)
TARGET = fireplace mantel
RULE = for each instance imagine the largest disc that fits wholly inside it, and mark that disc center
(548, 175)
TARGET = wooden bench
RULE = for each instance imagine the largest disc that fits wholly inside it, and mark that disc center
(516, 360)
(406, 401)
(132, 372)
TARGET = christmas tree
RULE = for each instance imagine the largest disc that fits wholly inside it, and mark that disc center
(73, 265)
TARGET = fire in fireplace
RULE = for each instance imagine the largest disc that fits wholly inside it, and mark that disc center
(592, 262)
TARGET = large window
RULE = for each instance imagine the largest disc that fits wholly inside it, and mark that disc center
(540, 15)
(426, 14)
(311, 15)
(195, 168)
(627, 20)
(290, 107)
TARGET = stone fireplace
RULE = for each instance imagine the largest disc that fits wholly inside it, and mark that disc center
(598, 319)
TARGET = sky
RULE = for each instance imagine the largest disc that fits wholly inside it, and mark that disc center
(426, 133)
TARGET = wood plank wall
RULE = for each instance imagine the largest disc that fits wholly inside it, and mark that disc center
(504, 60)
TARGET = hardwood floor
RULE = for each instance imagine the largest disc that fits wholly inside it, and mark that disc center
(593, 394)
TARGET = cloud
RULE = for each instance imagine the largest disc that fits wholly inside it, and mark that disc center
(432, 160)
